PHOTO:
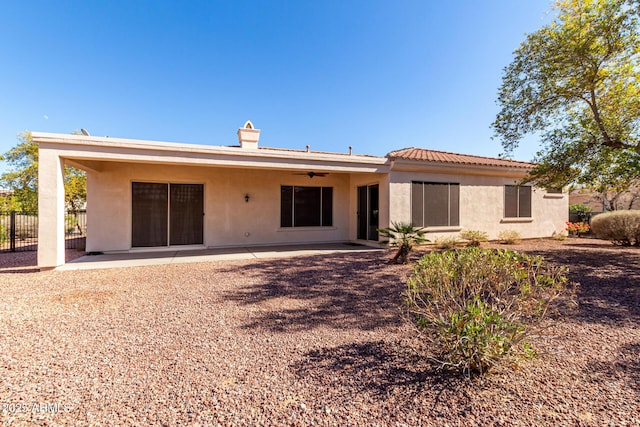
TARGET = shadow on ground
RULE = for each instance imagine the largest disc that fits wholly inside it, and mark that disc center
(609, 280)
(381, 370)
(625, 367)
(360, 291)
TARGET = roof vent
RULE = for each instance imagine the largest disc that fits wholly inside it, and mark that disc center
(248, 136)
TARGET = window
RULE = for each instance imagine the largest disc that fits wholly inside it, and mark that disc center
(517, 201)
(435, 204)
(306, 206)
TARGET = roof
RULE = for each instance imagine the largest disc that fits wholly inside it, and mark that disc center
(297, 150)
(423, 154)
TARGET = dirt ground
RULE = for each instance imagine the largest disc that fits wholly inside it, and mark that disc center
(316, 340)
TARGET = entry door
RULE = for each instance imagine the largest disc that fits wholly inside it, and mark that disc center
(368, 212)
(166, 214)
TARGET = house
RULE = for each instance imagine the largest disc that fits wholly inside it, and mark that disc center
(150, 195)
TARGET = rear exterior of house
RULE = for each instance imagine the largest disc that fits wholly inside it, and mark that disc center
(148, 195)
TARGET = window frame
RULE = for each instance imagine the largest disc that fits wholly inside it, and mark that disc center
(518, 202)
(325, 213)
(450, 223)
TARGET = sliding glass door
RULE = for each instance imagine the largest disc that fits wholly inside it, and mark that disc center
(166, 214)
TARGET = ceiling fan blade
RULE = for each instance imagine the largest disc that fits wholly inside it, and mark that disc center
(311, 174)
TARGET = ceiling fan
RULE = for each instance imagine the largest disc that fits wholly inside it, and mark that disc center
(312, 174)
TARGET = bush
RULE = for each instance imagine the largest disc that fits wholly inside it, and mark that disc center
(509, 237)
(479, 305)
(581, 211)
(621, 227)
(577, 228)
(474, 237)
(446, 242)
(405, 237)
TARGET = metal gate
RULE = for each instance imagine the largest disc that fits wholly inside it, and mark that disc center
(19, 230)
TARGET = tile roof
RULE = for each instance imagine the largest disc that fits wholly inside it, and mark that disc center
(295, 150)
(423, 154)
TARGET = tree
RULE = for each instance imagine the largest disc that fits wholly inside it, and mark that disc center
(23, 179)
(9, 203)
(576, 83)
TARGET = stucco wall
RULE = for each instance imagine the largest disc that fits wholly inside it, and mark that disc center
(482, 205)
(229, 220)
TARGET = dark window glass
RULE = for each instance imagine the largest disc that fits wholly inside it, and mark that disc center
(524, 202)
(327, 206)
(374, 196)
(186, 214)
(454, 204)
(149, 214)
(435, 204)
(510, 201)
(417, 204)
(166, 214)
(517, 201)
(306, 206)
(362, 212)
(286, 206)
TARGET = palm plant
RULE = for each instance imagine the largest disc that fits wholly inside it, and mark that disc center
(405, 236)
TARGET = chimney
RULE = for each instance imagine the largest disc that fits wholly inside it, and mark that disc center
(248, 136)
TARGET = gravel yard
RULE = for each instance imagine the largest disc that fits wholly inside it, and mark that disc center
(314, 340)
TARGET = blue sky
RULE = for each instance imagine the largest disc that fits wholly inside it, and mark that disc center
(376, 75)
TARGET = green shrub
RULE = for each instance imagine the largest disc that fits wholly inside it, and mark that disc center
(446, 242)
(477, 306)
(582, 211)
(621, 227)
(509, 237)
(405, 237)
(474, 237)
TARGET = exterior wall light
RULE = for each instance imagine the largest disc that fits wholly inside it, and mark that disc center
(246, 197)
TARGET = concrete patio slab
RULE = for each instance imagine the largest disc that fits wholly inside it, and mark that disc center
(140, 258)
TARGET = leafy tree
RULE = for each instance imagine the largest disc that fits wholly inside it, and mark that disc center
(23, 179)
(576, 83)
(9, 203)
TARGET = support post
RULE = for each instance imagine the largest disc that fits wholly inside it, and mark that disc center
(51, 252)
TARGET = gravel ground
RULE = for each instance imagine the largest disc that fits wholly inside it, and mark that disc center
(302, 341)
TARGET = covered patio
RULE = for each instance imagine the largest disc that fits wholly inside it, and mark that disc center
(156, 196)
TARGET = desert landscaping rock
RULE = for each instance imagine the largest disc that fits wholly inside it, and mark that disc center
(315, 340)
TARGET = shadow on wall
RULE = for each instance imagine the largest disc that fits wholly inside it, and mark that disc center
(360, 291)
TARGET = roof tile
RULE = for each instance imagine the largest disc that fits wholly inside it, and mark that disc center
(423, 154)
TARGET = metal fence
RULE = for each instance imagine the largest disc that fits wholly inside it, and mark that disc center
(19, 231)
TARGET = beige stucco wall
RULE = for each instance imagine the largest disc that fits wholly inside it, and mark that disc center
(229, 220)
(482, 205)
(50, 210)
